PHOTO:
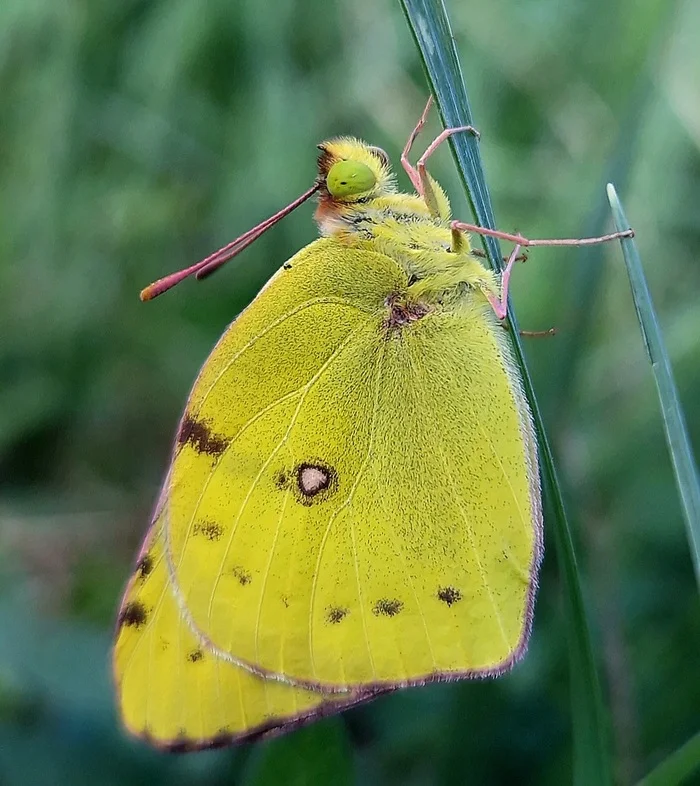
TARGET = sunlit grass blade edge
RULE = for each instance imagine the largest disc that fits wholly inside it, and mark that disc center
(684, 465)
(431, 30)
(675, 769)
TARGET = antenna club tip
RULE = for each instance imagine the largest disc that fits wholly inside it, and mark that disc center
(147, 293)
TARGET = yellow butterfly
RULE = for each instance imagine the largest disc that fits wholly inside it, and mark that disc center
(353, 503)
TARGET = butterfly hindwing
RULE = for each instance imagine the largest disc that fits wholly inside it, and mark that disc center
(178, 694)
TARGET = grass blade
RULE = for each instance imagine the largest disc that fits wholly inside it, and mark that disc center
(430, 26)
(313, 755)
(679, 446)
(676, 768)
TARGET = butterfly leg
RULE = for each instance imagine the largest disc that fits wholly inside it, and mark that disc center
(439, 139)
(500, 304)
(477, 252)
(533, 333)
(418, 174)
(521, 240)
(405, 163)
(426, 189)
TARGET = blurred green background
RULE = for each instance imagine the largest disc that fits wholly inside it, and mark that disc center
(137, 136)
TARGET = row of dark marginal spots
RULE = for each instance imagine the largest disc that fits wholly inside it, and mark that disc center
(134, 613)
(390, 607)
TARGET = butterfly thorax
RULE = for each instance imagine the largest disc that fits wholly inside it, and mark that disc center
(440, 266)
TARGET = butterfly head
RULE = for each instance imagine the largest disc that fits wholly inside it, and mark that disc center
(353, 171)
(350, 173)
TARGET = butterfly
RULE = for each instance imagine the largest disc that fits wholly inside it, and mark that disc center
(353, 502)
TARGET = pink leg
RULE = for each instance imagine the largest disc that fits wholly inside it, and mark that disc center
(500, 304)
(446, 134)
(417, 174)
(425, 187)
(524, 241)
(405, 163)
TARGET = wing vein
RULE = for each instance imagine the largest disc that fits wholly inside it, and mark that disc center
(470, 535)
(334, 516)
(267, 574)
(224, 654)
(309, 385)
(268, 328)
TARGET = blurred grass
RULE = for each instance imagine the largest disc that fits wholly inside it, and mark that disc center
(315, 754)
(134, 138)
(676, 768)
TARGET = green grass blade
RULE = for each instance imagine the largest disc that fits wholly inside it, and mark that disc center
(431, 30)
(316, 754)
(429, 24)
(676, 768)
(679, 446)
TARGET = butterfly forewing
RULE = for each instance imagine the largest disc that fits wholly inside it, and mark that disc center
(354, 501)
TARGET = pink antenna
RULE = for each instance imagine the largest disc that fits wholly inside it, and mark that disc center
(214, 261)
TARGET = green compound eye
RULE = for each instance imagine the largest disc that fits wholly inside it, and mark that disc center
(349, 178)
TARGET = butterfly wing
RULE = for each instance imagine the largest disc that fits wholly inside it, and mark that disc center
(178, 694)
(354, 498)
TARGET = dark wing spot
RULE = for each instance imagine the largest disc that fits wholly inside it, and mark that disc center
(287, 266)
(198, 434)
(144, 566)
(387, 607)
(195, 655)
(336, 615)
(242, 575)
(449, 595)
(133, 614)
(281, 480)
(314, 479)
(209, 529)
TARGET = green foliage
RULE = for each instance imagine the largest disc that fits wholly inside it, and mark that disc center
(678, 767)
(319, 753)
(138, 136)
